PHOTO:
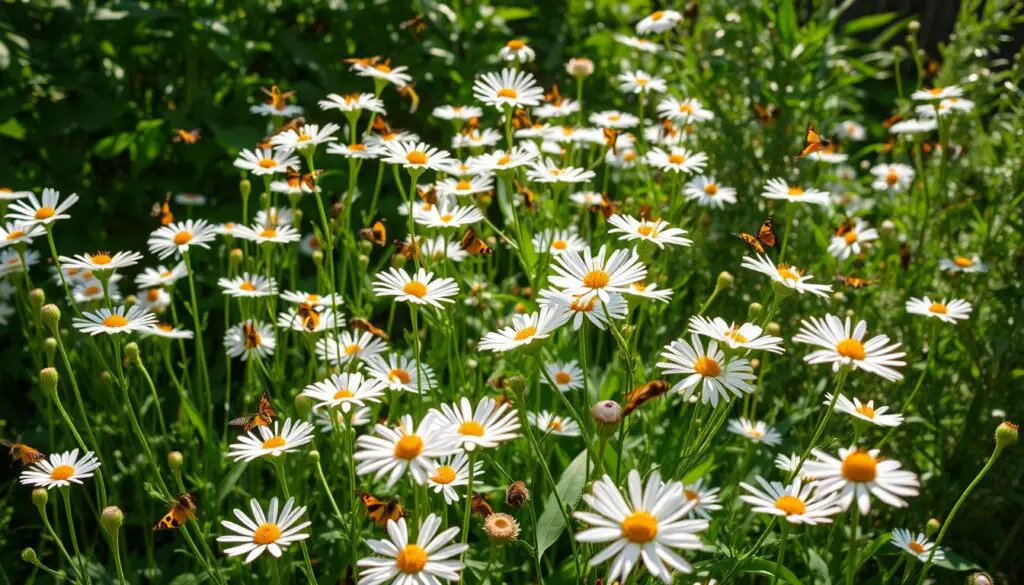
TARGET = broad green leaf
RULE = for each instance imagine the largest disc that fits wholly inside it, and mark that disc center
(869, 551)
(869, 22)
(12, 128)
(756, 566)
(817, 568)
(229, 481)
(699, 470)
(955, 562)
(570, 487)
(185, 579)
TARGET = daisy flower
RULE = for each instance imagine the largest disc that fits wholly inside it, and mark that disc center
(707, 192)
(517, 50)
(756, 430)
(84, 292)
(305, 137)
(272, 216)
(745, 336)
(655, 231)
(451, 472)
(645, 523)
(857, 475)
(786, 275)
(116, 320)
(328, 319)
(401, 373)
(476, 138)
(557, 242)
(167, 331)
(552, 424)
(309, 244)
(638, 43)
(970, 263)
(549, 171)
(705, 499)
(853, 241)
(585, 274)
(265, 161)
(640, 82)
(349, 346)
(567, 376)
(525, 329)
(354, 418)
(44, 212)
(937, 93)
(11, 262)
(155, 299)
(658, 22)
(430, 560)
(508, 89)
(457, 112)
(564, 107)
(916, 546)
(499, 160)
(60, 470)
(439, 248)
(415, 155)
(384, 72)
(865, 411)
(268, 233)
(161, 276)
(248, 286)
(566, 307)
(250, 337)
(377, 142)
(913, 126)
(19, 232)
(644, 290)
(677, 159)
(354, 150)
(344, 391)
(272, 531)
(950, 106)
(394, 451)
(613, 119)
(102, 261)
(422, 288)
(893, 177)
(485, 426)
(586, 198)
(850, 130)
(6, 311)
(264, 441)
(709, 371)
(8, 194)
(317, 300)
(465, 186)
(797, 502)
(447, 214)
(179, 236)
(945, 311)
(780, 189)
(353, 102)
(684, 111)
(843, 345)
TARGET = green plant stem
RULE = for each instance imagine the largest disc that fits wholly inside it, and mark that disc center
(116, 550)
(851, 558)
(141, 437)
(282, 479)
(782, 552)
(153, 393)
(56, 539)
(60, 271)
(83, 563)
(468, 508)
(840, 382)
(790, 211)
(932, 351)
(197, 322)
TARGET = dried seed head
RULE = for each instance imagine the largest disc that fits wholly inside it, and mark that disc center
(501, 527)
(517, 495)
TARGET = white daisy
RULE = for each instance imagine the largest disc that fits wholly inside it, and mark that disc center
(780, 189)
(865, 411)
(574, 307)
(476, 138)
(60, 470)
(485, 426)
(116, 320)
(452, 472)
(155, 299)
(744, 336)
(268, 234)
(857, 475)
(465, 186)
(644, 290)
(401, 373)
(354, 418)
(705, 499)
(640, 82)
(638, 43)
(946, 311)
(525, 330)
(567, 376)
(271, 532)
(684, 111)
(265, 161)
(447, 214)
(325, 320)
(517, 50)
(354, 150)
(508, 89)
(376, 142)
(549, 171)
(44, 212)
(895, 177)
(970, 263)
(349, 346)
(422, 288)
(447, 112)
(655, 231)
(557, 242)
(613, 119)
(552, 424)
(658, 22)
(845, 346)
(586, 198)
(586, 274)
(167, 331)
(786, 275)
(439, 248)
(273, 216)
(161, 275)
(677, 159)
(264, 441)
(797, 502)
(178, 237)
(853, 241)
(415, 155)
(707, 192)
(757, 431)
(499, 160)
(557, 109)
(11, 262)
(102, 261)
(850, 130)
(19, 233)
(317, 300)
(916, 546)
(709, 371)
(8, 194)
(305, 137)
(937, 93)
(353, 102)
(84, 292)
(384, 72)
(248, 286)
(428, 561)
(249, 337)
(404, 448)
(344, 391)
(913, 126)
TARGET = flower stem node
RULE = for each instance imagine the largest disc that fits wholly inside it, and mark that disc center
(36, 298)
(1006, 435)
(318, 258)
(517, 384)
(131, 352)
(782, 291)
(48, 378)
(725, 280)
(50, 316)
(112, 518)
(754, 311)
(175, 460)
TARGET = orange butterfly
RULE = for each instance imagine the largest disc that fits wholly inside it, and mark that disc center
(767, 114)
(163, 211)
(607, 207)
(381, 126)
(293, 124)
(611, 139)
(182, 509)
(553, 97)
(844, 227)
(186, 136)
(364, 325)
(21, 452)
(408, 251)
(813, 141)
(276, 98)
(408, 92)
(376, 233)
(891, 120)
(417, 24)
(529, 197)
(361, 62)
(474, 245)
(309, 315)
(765, 236)
(645, 393)
(856, 281)
(380, 511)
(265, 414)
(521, 119)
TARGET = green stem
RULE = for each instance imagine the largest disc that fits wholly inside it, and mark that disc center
(83, 563)
(824, 420)
(200, 352)
(782, 552)
(851, 559)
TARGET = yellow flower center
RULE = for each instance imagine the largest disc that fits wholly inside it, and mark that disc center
(269, 232)
(917, 547)
(92, 291)
(165, 327)
(383, 67)
(274, 442)
(266, 534)
(711, 189)
(14, 234)
(504, 160)
(963, 262)
(656, 16)
(399, 375)
(938, 308)
(735, 335)
(62, 472)
(304, 137)
(581, 305)
(866, 410)
(447, 217)
(642, 82)
(411, 559)
(850, 237)
(471, 428)
(892, 178)
(408, 447)
(935, 90)
(851, 348)
(640, 527)
(795, 191)
(182, 238)
(507, 92)
(115, 321)
(152, 295)
(860, 467)
(555, 425)
(685, 109)
(676, 159)
(247, 285)
(790, 505)
(444, 475)
(352, 348)
(416, 289)
(416, 157)
(560, 244)
(101, 259)
(342, 393)
(463, 186)
(787, 272)
(45, 212)
(526, 333)
(596, 279)
(562, 378)
(691, 495)
(267, 163)
(707, 367)
(515, 45)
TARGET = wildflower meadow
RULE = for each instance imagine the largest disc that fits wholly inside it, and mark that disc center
(420, 292)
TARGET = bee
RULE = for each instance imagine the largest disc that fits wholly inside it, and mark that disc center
(265, 414)
(521, 119)
(21, 452)
(293, 124)
(297, 180)
(480, 506)
(417, 24)
(163, 210)
(408, 251)
(380, 511)
(856, 281)
(364, 325)
(668, 129)
(767, 115)
(645, 393)
(376, 233)
(765, 236)
(182, 509)
(276, 98)
(186, 136)
(474, 245)
(607, 207)
(611, 139)
(813, 141)
(408, 92)
(309, 315)
(517, 495)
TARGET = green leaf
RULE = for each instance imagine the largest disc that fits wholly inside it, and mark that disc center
(570, 487)
(955, 562)
(756, 565)
(868, 22)
(869, 551)
(229, 482)
(12, 128)
(111, 146)
(817, 568)
(699, 471)
(185, 579)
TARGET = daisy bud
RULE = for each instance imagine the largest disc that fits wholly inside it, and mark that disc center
(517, 384)
(175, 460)
(838, 297)
(517, 495)
(314, 455)
(39, 497)
(914, 25)
(483, 200)
(48, 379)
(398, 261)
(754, 363)
(580, 67)
(244, 187)
(36, 298)
(131, 352)
(1006, 435)
(50, 316)
(773, 328)
(365, 246)
(264, 200)
(236, 256)
(607, 414)
(725, 280)
(980, 579)
(932, 526)
(50, 348)
(303, 404)
(318, 258)
(364, 261)
(888, 226)
(501, 527)
(131, 300)
(106, 377)
(754, 311)
(29, 555)
(112, 518)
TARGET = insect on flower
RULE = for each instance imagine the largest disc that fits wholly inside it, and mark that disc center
(376, 233)
(765, 236)
(186, 136)
(183, 507)
(21, 452)
(645, 393)
(480, 506)
(276, 98)
(265, 411)
(293, 124)
(813, 141)
(474, 245)
(856, 281)
(364, 325)
(380, 511)
(309, 316)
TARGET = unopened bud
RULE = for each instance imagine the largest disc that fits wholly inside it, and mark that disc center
(725, 280)
(365, 246)
(264, 200)
(888, 226)
(175, 460)
(36, 298)
(607, 414)
(50, 316)
(39, 497)
(1006, 434)
(106, 377)
(517, 495)
(131, 351)
(318, 257)
(29, 555)
(48, 379)
(236, 256)
(754, 311)
(933, 526)
(315, 456)
(980, 579)
(517, 384)
(49, 348)
(839, 297)
(580, 67)
(304, 405)
(773, 328)
(112, 518)
(131, 300)
(244, 187)
(398, 261)
(364, 261)
(914, 25)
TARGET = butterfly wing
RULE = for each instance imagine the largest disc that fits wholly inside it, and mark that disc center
(751, 241)
(266, 407)
(812, 141)
(766, 234)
